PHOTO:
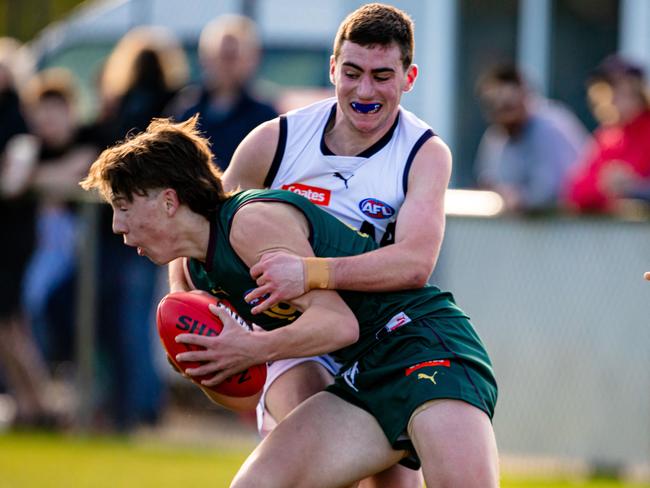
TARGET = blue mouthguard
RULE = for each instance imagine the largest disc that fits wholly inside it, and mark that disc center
(364, 108)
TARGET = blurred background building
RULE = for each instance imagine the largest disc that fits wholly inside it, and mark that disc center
(556, 42)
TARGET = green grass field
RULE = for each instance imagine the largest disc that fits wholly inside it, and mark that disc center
(33, 460)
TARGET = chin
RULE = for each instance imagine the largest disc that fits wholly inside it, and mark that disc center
(368, 127)
(160, 261)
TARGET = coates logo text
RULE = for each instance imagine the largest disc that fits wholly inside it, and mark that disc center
(376, 209)
(319, 196)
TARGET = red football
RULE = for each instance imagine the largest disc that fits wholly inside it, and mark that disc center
(188, 312)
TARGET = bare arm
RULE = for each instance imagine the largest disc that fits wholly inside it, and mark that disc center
(60, 178)
(247, 169)
(405, 264)
(18, 164)
(326, 323)
(252, 160)
(418, 235)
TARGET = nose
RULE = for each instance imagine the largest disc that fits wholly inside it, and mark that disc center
(119, 226)
(365, 88)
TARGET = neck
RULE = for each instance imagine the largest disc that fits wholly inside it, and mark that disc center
(344, 139)
(194, 236)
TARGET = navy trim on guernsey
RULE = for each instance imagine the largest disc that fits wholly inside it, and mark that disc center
(279, 153)
(366, 153)
(323, 147)
(416, 147)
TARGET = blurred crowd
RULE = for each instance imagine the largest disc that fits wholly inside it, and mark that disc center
(535, 153)
(539, 157)
(46, 150)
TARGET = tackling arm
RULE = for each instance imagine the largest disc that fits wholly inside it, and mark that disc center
(405, 264)
(418, 235)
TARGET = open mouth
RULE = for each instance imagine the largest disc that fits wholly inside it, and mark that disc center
(365, 108)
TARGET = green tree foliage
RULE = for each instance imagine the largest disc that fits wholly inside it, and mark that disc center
(23, 19)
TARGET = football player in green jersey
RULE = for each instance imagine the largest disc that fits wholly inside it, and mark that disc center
(416, 383)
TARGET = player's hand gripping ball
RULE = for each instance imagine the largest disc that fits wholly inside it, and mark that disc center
(188, 313)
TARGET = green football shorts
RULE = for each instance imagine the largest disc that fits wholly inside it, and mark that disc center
(430, 358)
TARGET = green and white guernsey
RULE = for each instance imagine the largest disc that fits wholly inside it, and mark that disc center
(226, 276)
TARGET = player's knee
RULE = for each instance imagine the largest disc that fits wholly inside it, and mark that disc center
(253, 479)
(476, 478)
(456, 444)
(397, 476)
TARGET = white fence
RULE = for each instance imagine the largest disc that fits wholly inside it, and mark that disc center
(564, 311)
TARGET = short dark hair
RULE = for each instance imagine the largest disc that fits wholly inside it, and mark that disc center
(501, 73)
(615, 67)
(378, 24)
(166, 155)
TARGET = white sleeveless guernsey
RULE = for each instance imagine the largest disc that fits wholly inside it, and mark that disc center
(365, 191)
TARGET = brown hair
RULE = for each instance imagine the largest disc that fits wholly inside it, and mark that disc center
(166, 155)
(121, 68)
(378, 24)
(50, 83)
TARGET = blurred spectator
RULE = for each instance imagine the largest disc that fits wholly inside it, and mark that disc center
(143, 73)
(21, 361)
(530, 144)
(60, 153)
(617, 164)
(140, 77)
(229, 52)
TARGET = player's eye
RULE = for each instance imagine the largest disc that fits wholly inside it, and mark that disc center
(352, 75)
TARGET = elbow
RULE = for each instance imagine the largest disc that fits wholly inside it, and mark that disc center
(419, 276)
(349, 331)
(420, 279)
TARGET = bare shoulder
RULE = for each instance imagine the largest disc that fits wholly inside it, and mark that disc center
(266, 215)
(252, 160)
(260, 227)
(435, 151)
(432, 162)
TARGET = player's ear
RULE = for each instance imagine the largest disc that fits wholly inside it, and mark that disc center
(332, 69)
(170, 201)
(411, 75)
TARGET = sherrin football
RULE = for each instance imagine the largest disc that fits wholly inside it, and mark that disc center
(188, 312)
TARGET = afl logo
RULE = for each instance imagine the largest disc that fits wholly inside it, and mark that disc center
(256, 301)
(376, 209)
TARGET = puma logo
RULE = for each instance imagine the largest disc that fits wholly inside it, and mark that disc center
(341, 177)
(424, 376)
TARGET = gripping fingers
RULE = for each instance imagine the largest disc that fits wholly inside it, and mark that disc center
(257, 293)
(259, 267)
(220, 377)
(203, 369)
(267, 303)
(194, 356)
(195, 339)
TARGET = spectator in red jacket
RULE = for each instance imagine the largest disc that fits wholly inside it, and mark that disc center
(617, 165)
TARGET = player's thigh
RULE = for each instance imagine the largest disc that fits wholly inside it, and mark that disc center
(397, 476)
(294, 386)
(325, 442)
(456, 445)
